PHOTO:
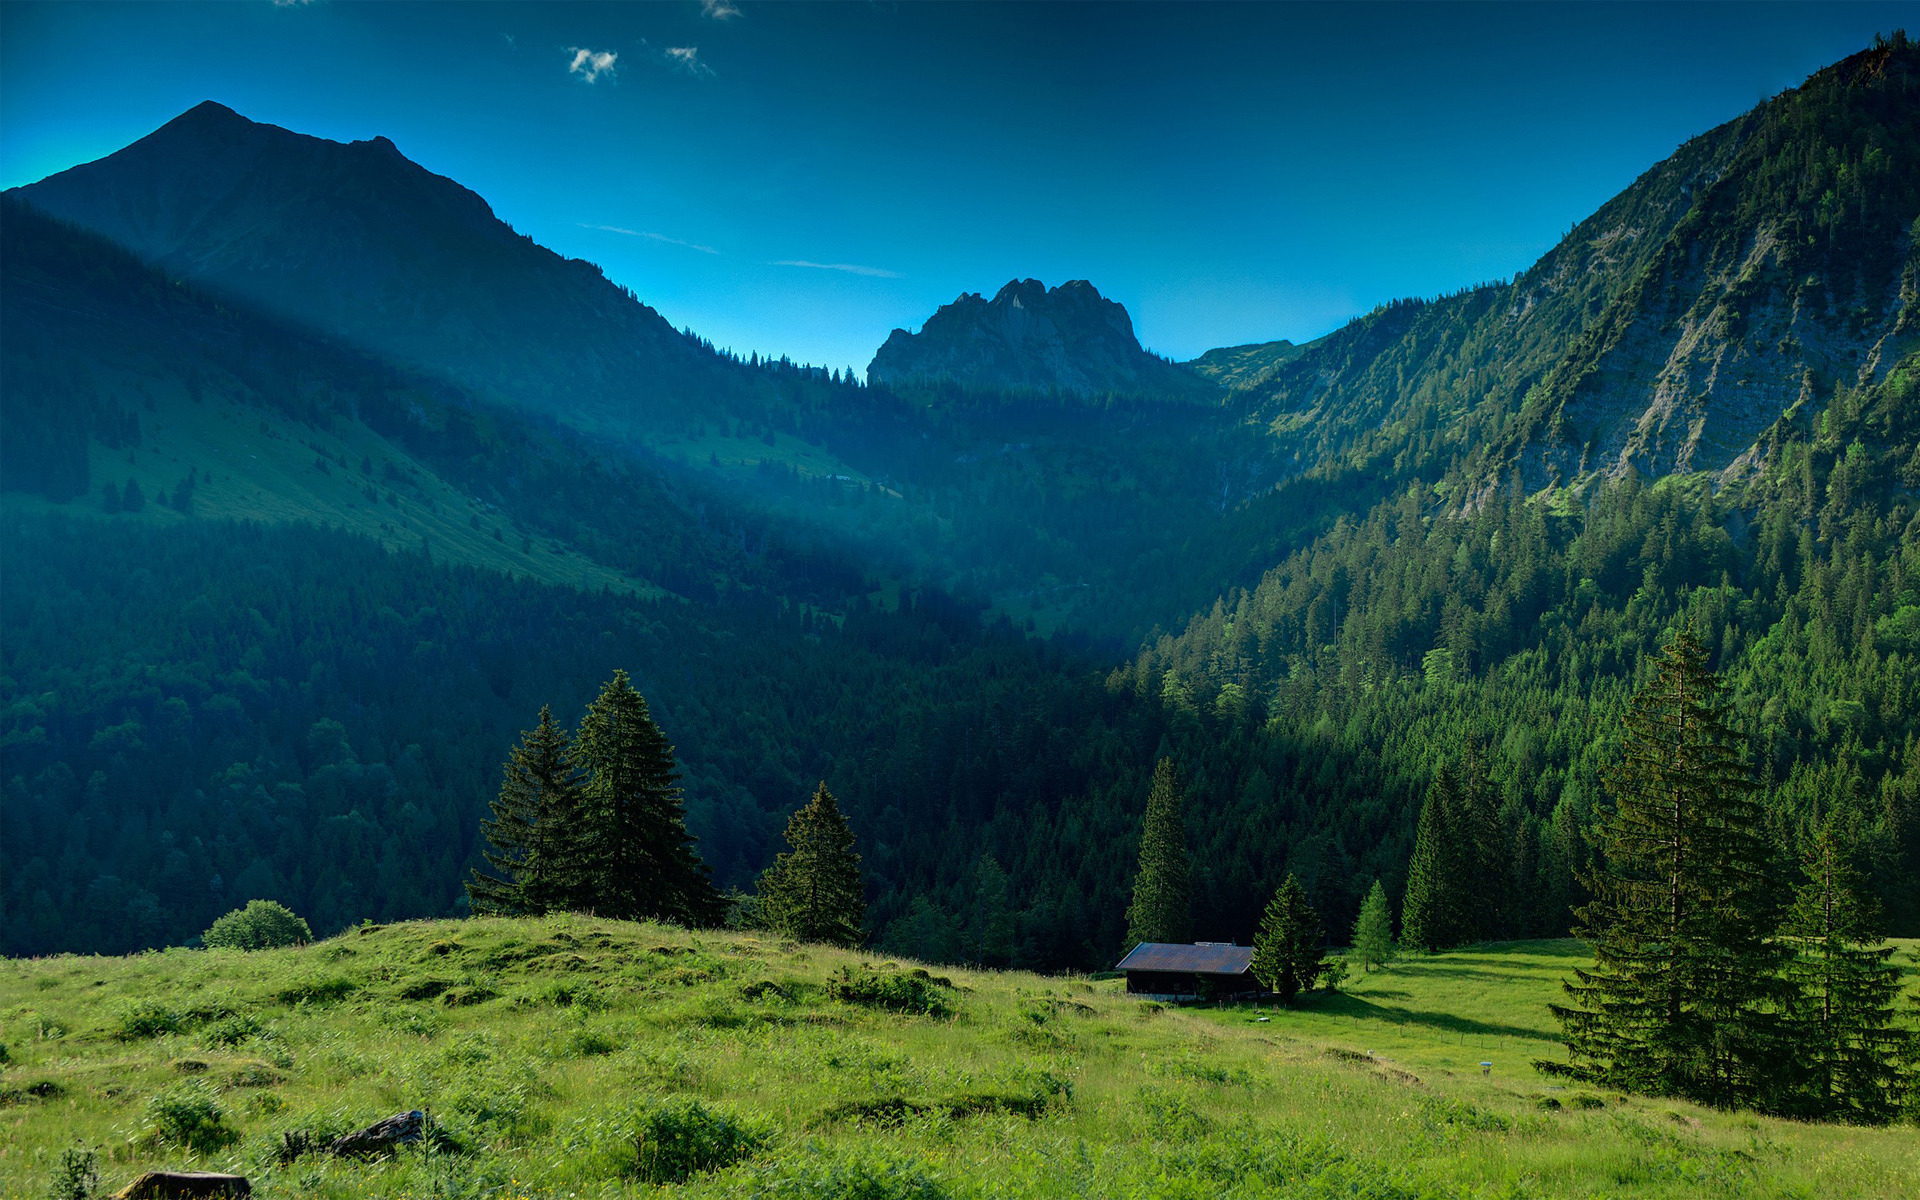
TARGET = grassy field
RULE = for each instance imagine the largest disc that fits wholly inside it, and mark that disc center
(576, 1057)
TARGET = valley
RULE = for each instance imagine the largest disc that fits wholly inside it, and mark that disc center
(322, 485)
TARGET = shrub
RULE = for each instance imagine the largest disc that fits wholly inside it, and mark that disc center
(149, 1018)
(588, 1043)
(676, 1140)
(231, 1031)
(889, 989)
(76, 1178)
(189, 1116)
(261, 925)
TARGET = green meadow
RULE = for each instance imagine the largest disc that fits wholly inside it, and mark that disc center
(571, 1056)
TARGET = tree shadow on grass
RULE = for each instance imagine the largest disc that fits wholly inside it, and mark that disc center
(1341, 1004)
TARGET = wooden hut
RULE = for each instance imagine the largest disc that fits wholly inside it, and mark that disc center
(1175, 971)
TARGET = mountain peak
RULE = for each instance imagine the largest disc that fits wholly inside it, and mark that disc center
(1030, 338)
(355, 241)
(208, 112)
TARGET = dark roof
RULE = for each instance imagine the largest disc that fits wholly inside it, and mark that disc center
(1213, 958)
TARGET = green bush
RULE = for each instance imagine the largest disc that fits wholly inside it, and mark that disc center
(77, 1177)
(189, 1116)
(894, 990)
(231, 1031)
(678, 1139)
(149, 1018)
(261, 925)
(588, 1043)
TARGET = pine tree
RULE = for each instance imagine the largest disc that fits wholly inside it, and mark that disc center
(990, 924)
(1286, 950)
(1486, 852)
(813, 892)
(1161, 907)
(537, 836)
(1843, 1032)
(1433, 913)
(1684, 974)
(1373, 931)
(643, 866)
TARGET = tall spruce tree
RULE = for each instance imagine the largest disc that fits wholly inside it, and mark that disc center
(1685, 974)
(1485, 850)
(813, 892)
(1434, 913)
(643, 863)
(537, 837)
(1287, 955)
(1161, 908)
(1373, 931)
(1845, 1039)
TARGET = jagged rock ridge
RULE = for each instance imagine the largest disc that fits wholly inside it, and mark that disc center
(1031, 338)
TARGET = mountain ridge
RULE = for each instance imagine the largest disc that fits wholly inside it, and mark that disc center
(1669, 331)
(358, 242)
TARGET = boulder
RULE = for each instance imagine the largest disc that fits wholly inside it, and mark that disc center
(168, 1185)
(382, 1137)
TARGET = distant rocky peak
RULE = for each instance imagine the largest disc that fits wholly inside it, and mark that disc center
(1067, 339)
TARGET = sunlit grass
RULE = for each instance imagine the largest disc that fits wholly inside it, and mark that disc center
(546, 1048)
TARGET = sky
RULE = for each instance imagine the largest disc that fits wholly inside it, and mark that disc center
(799, 179)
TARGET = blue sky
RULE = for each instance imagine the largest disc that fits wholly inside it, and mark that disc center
(800, 179)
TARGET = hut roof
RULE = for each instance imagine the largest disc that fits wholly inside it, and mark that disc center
(1203, 958)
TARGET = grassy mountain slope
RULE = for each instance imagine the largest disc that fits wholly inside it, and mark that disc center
(540, 1046)
(1244, 367)
(251, 462)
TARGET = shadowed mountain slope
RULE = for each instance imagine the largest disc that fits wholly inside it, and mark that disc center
(357, 242)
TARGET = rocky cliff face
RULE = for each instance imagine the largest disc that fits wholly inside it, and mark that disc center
(1031, 338)
(1727, 289)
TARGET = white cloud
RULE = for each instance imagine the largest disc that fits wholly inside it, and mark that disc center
(658, 237)
(719, 10)
(687, 58)
(591, 64)
(291, 3)
(849, 268)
